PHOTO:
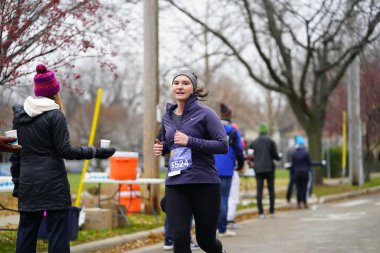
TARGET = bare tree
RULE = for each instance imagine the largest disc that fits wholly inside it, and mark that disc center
(55, 32)
(121, 103)
(211, 54)
(245, 110)
(311, 53)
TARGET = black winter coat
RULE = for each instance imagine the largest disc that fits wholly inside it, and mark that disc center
(265, 152)
(43, 183)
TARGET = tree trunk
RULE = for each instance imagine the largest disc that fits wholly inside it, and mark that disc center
(369, 158)
(314, 128)
(314, 135)
(368, 163)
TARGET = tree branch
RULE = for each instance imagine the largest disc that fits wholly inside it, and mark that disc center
(232, 48)
(277, 36)
(266, 59)
(308, 56)
(352, 52)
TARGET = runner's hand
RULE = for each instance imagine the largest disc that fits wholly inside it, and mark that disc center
(157, 148)
(180, 138)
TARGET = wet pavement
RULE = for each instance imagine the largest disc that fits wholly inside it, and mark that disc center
(348, 226)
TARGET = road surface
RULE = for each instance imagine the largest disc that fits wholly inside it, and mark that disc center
(348, 226)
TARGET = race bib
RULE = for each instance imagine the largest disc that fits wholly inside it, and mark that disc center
(180, 159)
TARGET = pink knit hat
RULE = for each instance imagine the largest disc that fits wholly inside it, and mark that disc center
(45, 83)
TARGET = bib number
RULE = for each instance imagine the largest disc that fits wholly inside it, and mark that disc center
(180, 159)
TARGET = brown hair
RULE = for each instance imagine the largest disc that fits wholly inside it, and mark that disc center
(58, 100)
(201, 93)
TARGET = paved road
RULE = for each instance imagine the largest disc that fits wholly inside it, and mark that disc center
(350, 226)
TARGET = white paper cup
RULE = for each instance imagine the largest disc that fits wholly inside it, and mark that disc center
(12, 133)
(105, 143)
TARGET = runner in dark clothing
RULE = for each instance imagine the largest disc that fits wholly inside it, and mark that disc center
(192, 133)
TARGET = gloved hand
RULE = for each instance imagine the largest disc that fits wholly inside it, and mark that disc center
(6, 147)
(104, 153)
(15, 189)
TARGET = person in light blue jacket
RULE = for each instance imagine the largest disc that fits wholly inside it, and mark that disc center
(301, 165)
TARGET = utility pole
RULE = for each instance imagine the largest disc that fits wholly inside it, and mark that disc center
(151, 92)
(353, 105)
(354, 124)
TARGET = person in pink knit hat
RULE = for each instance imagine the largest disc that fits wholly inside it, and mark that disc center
(38, 170)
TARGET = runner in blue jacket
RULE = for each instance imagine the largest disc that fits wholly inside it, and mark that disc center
(226, 164)
(192, 133)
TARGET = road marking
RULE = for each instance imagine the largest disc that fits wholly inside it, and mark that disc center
(353, 203)
(337, 217)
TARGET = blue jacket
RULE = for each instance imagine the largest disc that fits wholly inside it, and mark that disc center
(301, 162)
(226, 163)
(206, 138)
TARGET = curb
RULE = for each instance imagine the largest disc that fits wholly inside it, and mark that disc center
(114, 241)
(336, 197)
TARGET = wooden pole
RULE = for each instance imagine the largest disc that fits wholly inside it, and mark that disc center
(151, 93)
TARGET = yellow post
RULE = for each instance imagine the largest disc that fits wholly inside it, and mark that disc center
(90, 142)
(344, 143)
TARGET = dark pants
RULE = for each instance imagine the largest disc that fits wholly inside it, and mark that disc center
(302, 179)
(310, 184)
(269, 177)
(168, 233)
(57, 229)
(225, 188)
(203, 202)
(291, 184)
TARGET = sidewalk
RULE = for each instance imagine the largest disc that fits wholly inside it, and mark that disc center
(115, 241)
(280, 204)
(327, 228)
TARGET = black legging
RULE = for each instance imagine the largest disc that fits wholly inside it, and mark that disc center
(200, 200)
